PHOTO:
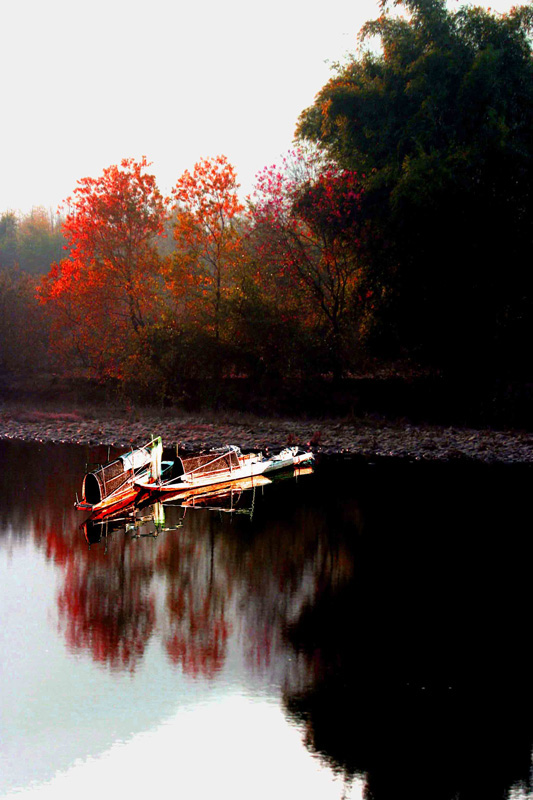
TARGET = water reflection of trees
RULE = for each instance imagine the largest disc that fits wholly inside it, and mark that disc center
(38, 501)
(413, 740)
(198, 588)
(110, 601)
(420, 676)
(280, 570)
(393, 606)
(105, 606)
(195, 584)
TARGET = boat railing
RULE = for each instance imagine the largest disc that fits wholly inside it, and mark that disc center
(232, 458)
(113, 477)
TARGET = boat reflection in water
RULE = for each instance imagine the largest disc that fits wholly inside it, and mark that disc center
(133, 520)
(144, 517)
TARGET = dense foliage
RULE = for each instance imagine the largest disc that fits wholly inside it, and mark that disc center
(23, 326)
(306, 226)
(399, 230)
(440, 122)
(100, 297)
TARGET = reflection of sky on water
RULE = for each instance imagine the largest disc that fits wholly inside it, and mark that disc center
(71, 727)
(235, 746)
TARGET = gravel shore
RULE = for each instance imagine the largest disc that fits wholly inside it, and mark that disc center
(368, 438)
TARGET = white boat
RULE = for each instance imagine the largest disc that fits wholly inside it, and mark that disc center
(288, 457)
(220, 467)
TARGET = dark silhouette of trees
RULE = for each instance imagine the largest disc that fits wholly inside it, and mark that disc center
(23, 327)
(440, 124)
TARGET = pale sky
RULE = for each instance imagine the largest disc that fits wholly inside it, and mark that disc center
(87, 84)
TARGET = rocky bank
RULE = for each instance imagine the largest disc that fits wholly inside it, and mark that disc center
(369, 438)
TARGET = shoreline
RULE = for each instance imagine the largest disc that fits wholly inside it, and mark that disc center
(196, 432)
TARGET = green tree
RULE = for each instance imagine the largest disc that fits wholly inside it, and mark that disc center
(439, 124)
(32, 242)
(23, 328)
(271, 329)
(40, 241)
(8, 240)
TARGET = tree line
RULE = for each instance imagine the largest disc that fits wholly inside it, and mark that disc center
(399, 228)
(31, 242)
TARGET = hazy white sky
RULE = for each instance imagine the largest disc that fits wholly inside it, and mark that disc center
(87, 84)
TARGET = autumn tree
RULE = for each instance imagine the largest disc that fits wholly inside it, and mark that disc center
(207, 237)
(271, 329)
(439, 121)
(307, 228)
(102, 296)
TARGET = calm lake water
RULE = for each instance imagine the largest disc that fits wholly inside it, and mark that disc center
(362, 631)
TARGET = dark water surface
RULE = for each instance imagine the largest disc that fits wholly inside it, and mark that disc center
(363, 631)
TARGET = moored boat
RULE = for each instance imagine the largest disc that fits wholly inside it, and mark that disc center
(222, 466)
(222, 495)
(112, 485)
(288, 457)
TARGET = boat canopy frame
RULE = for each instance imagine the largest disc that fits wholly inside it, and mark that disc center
(224, 461)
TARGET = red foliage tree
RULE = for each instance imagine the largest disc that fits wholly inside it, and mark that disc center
(101, 296)
(207, 235)
(307, 226)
